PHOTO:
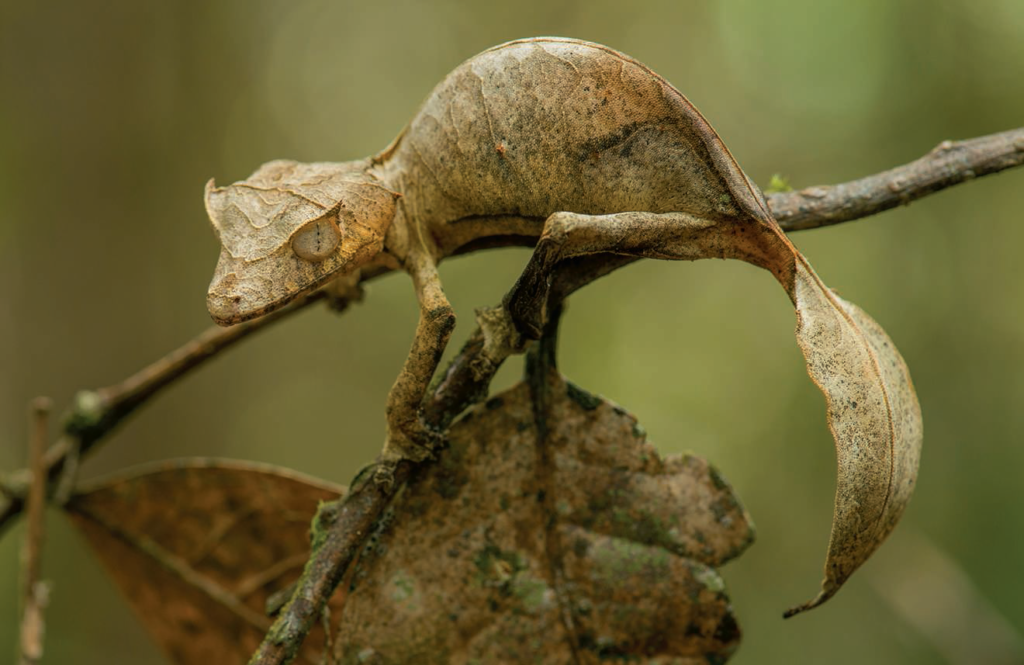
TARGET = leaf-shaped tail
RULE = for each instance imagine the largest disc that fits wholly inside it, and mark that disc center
(874, 417)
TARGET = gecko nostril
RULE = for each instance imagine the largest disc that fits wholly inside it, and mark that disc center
(223, 308)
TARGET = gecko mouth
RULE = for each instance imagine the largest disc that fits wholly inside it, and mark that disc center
(228, 310)
(243, 290)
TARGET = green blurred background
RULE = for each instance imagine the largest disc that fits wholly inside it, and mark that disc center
(114, 115)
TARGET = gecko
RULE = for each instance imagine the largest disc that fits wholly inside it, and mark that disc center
(575, 149)
(511, 141)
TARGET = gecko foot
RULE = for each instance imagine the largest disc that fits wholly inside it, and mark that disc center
(416, 448)
(384, 476)
(527, 313)
(416, 444)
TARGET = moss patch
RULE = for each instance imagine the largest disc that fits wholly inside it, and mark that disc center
(618, 559)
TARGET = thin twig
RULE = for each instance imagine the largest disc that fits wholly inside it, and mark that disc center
(950, 163)
(96, 413)
(34, 592)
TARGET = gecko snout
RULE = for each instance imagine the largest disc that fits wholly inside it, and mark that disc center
(225, 310)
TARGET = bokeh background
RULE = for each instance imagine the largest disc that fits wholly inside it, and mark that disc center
(114, 114)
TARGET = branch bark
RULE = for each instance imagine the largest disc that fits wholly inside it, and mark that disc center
(345, 525)
(949, 163)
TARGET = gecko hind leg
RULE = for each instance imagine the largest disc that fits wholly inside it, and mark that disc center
(676, 236)
(408, 437)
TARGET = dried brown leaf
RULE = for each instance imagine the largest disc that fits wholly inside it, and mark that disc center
(513, 549)
(198, 546)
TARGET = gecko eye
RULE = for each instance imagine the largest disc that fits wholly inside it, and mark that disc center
(317, 240)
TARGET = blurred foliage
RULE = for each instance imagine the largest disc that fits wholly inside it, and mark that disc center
(115, 114)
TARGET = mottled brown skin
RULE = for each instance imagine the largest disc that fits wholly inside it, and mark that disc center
(580, 150)
(540, 126)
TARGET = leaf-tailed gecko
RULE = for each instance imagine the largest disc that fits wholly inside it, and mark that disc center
(580, 150)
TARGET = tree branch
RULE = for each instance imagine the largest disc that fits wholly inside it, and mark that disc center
(98, 412)
(950, 163)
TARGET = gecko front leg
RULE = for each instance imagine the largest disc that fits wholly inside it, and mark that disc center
(408, 437)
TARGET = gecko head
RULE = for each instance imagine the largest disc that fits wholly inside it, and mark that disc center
(288, 229)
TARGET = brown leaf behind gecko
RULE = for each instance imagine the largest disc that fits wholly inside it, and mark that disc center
(198, 546)
(585, 544)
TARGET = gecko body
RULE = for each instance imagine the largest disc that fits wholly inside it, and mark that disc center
(512, 136)
(577, 150)
(519, 133)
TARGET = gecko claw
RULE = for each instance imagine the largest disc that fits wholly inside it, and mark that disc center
(416, 444)
(416, 447)
(384, 476)
(526, 315)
